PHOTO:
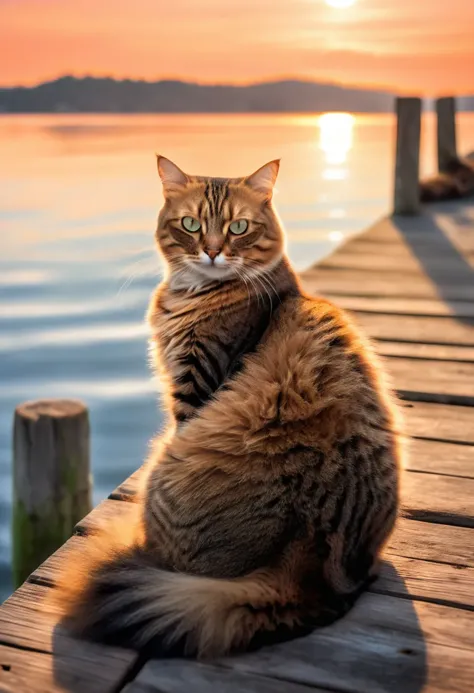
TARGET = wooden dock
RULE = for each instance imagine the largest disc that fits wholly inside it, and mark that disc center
(409, 282)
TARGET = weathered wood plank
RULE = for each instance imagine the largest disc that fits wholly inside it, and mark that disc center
(183, 676)
(401, 245)
(436, 498)
(437, 233)
(384, 644)
(432, 381)
(23, 671)
(48, 572)
(441, 458)
(405, 261)
(399, 306)
(416, 350)
(377, 282)
(377, 262)
(106, 511)
(417, 329)
(440, 583)
(431, 542)
(439, 421)
(29, 622)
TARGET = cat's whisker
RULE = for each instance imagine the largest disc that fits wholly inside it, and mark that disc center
(241, 276)
(137, 269)
(265, 276)
(262, 283)
(256, 289)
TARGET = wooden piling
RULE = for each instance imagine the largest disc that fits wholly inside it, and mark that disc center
(447, 149)
(407, 169)
(51, 479)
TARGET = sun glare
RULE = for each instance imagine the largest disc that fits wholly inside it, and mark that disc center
(335, 136)
(340, 4)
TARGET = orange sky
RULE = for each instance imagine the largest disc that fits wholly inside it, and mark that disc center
(424, 46)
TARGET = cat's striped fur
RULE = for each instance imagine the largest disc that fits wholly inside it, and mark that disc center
(268, 502)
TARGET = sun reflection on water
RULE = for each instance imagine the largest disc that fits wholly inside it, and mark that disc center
(336, 134)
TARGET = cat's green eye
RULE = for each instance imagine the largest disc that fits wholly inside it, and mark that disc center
(190, 224)
(239, 227)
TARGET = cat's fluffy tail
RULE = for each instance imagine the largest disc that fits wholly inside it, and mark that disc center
(117, 595)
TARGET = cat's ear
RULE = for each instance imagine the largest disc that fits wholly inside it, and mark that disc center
(263, 180)
(171, 175)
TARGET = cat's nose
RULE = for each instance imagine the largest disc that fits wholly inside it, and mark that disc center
(212, 253)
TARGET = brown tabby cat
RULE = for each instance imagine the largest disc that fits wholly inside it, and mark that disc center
(267, 504)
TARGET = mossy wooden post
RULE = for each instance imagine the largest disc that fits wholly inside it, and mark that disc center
(447, 149)
(407, 168)
(51, 479)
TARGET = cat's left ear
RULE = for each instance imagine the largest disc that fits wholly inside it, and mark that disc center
(171, 175)
(263, 180)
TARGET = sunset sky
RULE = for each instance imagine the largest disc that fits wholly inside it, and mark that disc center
(424, 46)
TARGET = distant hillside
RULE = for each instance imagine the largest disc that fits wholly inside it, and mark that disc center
(69, 94)
(466, 103)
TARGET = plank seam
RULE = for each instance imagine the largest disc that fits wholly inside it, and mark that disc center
(403, 314)
(416, 598)
(25, 648)
(388, 552)
(444, 440)
(437, 398)
(434, 518)
(428, 342)
(132, 672)
(426, 471)
(426, 358)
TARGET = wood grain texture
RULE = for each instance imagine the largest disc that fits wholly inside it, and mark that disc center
(30, 623)
(438, 421)
(439, 583)
(412, 328)
(185, 677)
(398, 306)
(440, 458)
(22, 671)
(51, 472)
(384, 644)
(446, 382)
(437, 498)
(379, 282)
(431, 542)
(416, 350)
(107, 511)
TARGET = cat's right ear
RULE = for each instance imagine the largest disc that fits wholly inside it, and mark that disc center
(171, 175)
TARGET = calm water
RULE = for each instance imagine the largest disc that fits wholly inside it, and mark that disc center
(78, 203)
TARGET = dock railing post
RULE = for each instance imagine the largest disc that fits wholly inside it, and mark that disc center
(51, 479)
(447, 149)
(407, 167)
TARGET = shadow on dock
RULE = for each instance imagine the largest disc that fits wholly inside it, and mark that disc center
(447, 268)
(379, 647)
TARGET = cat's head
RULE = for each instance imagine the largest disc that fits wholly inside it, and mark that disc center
(218, 228)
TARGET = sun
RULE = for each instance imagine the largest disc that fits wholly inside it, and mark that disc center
(340, 4)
